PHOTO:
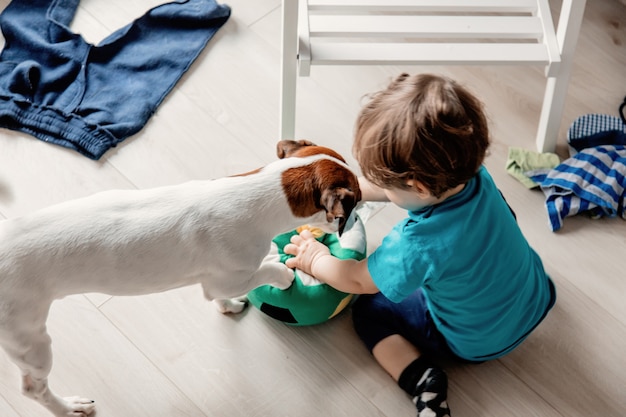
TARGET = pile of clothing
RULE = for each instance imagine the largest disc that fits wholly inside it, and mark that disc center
(591, 181)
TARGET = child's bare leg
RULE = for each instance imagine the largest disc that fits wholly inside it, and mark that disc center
(394, 354)
(427, 384)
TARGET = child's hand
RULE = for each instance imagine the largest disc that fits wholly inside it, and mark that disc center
(306, 250)
(314, 258)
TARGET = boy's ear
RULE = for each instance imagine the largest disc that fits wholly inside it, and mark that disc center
(419, 188)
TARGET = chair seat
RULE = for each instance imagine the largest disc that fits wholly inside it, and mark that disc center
(436, 26)
(471, 32)
(431, 32)
(346, 53)
(450, 6)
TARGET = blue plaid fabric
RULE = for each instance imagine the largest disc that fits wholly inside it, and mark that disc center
(594, 130)
(590, 124)
(592, 181)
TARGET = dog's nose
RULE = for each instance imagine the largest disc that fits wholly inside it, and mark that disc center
(342, 224)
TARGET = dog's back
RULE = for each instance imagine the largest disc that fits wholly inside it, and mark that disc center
(132, 242)
(144, 240)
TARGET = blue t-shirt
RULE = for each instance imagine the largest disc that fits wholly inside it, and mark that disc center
(485, 286)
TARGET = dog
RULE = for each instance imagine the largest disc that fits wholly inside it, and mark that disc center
(131, 242)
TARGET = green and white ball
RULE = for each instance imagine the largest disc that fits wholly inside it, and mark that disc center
(308, 301)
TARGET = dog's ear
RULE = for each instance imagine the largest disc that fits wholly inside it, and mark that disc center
(339, 203)
(286, 148)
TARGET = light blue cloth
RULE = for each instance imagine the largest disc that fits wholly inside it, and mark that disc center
(485, 286)
(592, 181)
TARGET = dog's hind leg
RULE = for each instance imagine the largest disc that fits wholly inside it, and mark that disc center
(31, 351)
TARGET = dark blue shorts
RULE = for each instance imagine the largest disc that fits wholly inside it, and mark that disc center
(375, 317)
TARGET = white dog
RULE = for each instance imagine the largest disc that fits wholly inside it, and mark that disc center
(135, 242)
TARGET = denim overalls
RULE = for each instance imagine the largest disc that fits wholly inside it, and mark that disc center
(58, 88)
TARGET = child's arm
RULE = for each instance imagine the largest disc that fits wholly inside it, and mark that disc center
(314, 258)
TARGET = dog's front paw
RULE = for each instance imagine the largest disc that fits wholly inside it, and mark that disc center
(286, 276)
(81, 406)
(72, 407)
(231, 305)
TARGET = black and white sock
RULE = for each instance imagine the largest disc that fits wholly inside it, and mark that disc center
(428, 385)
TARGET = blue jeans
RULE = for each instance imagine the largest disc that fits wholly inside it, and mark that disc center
(58, 88)
(375, 317)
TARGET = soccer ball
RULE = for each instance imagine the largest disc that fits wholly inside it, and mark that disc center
(308, 301)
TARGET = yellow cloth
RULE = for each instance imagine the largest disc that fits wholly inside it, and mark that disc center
(522, 160)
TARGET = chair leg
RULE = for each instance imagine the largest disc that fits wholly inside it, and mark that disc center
(568, 28)
(551, 113)
(289, 69)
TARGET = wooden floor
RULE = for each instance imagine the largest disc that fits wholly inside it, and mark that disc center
(174, 355)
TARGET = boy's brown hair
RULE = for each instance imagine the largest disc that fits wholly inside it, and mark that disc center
(422, 127)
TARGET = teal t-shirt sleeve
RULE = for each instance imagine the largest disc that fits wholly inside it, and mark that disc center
(392, 266)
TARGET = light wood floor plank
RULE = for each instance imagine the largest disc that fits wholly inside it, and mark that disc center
(92, 359)
(233, 365)
(35, 174)
(172, 152)
(6, 410)
(173, 354)
(575, 360)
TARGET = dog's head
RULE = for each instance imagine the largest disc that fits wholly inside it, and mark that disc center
(324, 184)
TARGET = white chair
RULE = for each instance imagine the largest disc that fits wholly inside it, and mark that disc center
(437, 32)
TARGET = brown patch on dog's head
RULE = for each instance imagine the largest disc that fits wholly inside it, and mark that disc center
(287, 148)
(302, 148)
(323, 184)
